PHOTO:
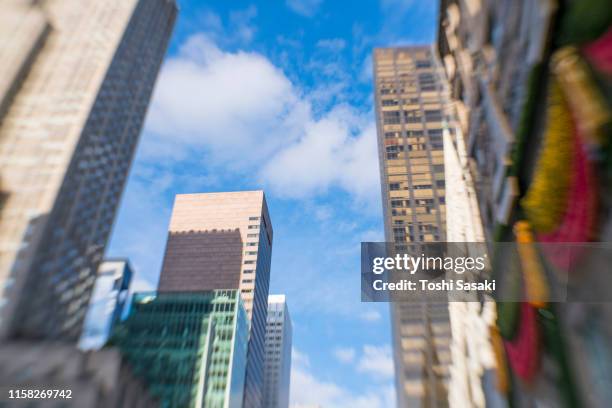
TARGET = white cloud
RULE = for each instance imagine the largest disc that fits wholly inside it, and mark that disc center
(226, 102)
(307, 8)
(239, 29)
(371, 316)
(324, 212)
(332, 44)
(299, 359)
(376, 361)
(242, 112)
(308, 391)
(345, 354)
(336, 150)
(240, 23)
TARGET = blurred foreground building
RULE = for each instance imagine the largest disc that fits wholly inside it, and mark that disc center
(189, 348)
(97, 379)
(531, 83)
(277, 371)
(224, 241)
(108, 299)
(75, 83)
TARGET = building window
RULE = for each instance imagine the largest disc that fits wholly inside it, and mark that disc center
(397, 203)
(394, 186)
(389, 102)
(391, 118)
(413, 116)
(391, 135)
(433, 115)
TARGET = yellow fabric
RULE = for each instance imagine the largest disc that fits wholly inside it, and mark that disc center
(536, 287)
(503, 381)
(546, 200)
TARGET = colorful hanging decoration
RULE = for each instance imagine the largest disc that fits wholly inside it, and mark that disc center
(553, 339)
(503, 378)
(524, 351)
(578, 223)
(546, 200)
(588, 106)
(536, 289)
(599, 53)
(508, 308)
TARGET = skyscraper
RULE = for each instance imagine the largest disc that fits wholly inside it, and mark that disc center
(277, 371)
(190, 348)
(108, 299)
(224, 241)
(411, 113)
(77, 76)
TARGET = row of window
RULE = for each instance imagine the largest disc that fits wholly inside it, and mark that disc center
(397, 186)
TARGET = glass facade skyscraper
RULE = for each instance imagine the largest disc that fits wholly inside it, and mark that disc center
(108, 299)
(189, 348)
(77, 76)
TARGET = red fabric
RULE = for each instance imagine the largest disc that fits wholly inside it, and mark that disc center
(599, 52)
(524, 350)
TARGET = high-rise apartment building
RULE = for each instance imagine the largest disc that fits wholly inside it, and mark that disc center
(107, 303)
(76, 80)
(224, 241)
(190, 348)
(411, 115)
(277, 371)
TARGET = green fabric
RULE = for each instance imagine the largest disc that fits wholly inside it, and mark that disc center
(508, 313)
(584, 20)
(554, 344)
(534, 82)
(507, 319)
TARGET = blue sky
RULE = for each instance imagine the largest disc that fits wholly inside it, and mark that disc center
(277, 95)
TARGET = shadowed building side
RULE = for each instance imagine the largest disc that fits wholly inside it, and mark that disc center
(201, 260)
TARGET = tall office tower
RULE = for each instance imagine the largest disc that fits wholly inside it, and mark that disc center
(108, 299)
(76, 80)
(411, 113)
(277, 371)
(190, 348)
(224, 241)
